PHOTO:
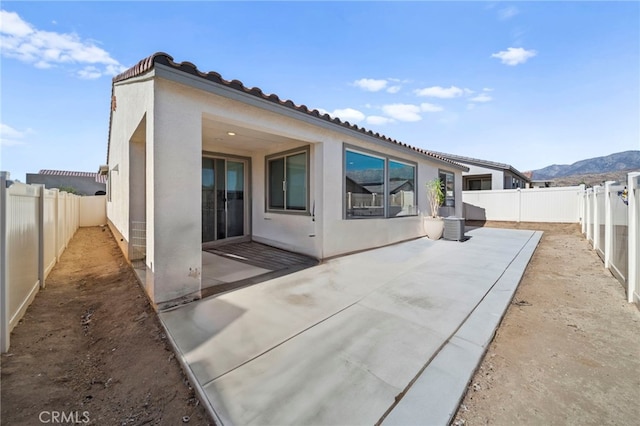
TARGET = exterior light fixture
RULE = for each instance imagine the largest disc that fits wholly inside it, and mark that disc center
(231, 133)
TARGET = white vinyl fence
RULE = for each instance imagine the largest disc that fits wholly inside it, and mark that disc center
(36, 225)
(562, 204)
(615, 209)
(609, 215)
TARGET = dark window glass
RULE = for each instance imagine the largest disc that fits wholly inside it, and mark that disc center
(276, 183)
(288, 182)
(402, 195)
(448, 188)
(364, 185)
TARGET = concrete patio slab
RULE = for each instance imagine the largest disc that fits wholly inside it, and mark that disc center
(375, 336)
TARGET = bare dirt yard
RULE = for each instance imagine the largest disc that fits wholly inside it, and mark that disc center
(91, 347)
(567, 351)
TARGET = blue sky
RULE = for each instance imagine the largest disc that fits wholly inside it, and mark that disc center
(524, 83)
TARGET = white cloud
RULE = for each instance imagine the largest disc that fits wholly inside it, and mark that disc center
(514, 55)
(378, 120)
(403, 112)
(89, 73)
(440, 92)
(347, 114)
(370, 84)
(46, 49)
(507, 13)
(427, 107)
(393, 89)
(483, 97)
(12, 137)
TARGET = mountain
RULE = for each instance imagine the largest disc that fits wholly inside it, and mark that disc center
(614, 163)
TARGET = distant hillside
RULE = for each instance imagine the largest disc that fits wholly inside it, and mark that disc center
(614, 163)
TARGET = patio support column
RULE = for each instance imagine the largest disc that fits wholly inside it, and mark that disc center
(174, 209)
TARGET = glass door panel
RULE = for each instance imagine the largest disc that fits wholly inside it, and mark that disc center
(223, 209)
(221, 199)
(235, 198)
(208, 201)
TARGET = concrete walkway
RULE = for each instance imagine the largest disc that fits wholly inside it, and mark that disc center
(390, 335)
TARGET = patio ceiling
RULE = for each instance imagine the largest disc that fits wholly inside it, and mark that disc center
(215, 134)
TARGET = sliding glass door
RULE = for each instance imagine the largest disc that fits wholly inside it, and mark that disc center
(223, 198)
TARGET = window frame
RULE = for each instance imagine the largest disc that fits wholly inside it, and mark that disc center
(386, 159)
(447, 172)
(306, 150)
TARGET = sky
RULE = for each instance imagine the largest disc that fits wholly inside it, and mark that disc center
(528, 84)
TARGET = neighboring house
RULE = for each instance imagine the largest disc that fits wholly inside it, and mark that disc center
(195, 159)
(82, 183)
(487, 175)
(540, 184)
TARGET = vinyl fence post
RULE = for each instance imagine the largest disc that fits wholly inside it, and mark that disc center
(633, 275)
(596, 217)
(583, 208)
(41, 234)
(608, 224)
(4, 291)
(519, 205)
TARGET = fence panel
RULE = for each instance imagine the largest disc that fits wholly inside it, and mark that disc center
(618, 233)
(551, 204)
(22, 242)
(529, 205)
(93, 210)
(36, 225)
(491, 205)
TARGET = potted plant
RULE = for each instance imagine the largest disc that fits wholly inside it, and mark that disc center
(433, 223)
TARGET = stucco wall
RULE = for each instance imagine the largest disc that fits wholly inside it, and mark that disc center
(133, 101)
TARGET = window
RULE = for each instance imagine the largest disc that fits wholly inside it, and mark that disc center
(376, 186)
(479, 183)
(364, 180)
(448, 188)
(402, 195)
(288, 181)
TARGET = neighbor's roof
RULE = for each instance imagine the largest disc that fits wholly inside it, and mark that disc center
(97, 176)
(485, 163)
(147, 65)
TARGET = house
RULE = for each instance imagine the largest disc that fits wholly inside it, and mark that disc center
(81, 183)
(487, 175)
(195, 159)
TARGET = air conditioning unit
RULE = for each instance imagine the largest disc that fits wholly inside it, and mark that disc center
(454, 228)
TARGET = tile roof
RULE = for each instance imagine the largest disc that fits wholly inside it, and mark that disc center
(97, 176)
(148, 63)
(479, 162)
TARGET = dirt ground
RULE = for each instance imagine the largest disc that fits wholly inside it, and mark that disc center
(91, 347)
(568, 349)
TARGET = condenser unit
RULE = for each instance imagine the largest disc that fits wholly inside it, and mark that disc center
(454, 228)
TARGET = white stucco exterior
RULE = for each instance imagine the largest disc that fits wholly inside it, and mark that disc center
(164, 122)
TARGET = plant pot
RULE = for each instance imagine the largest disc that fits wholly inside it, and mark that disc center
(433, 227)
